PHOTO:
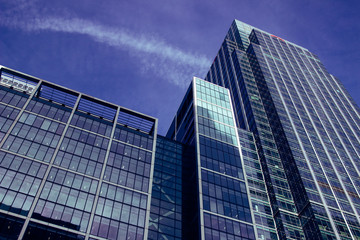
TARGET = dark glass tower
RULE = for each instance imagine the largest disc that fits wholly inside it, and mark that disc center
(166, 202)
(306, 129)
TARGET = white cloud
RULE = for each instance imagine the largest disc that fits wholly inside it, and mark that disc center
(156, 55)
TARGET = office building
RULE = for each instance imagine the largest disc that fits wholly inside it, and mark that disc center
(306, 129)
(71, 166)
(266, 147)
(225, 194)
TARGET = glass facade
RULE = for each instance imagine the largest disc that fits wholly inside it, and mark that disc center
(261, 208)
(72, 166)
(306, 130)
(223, 209)
(166, 202)
(267, 147)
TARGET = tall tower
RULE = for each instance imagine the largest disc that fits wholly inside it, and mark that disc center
(229, 197)
(306, 129)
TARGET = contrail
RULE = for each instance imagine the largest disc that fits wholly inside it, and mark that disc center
(156, 55)
(119, 38)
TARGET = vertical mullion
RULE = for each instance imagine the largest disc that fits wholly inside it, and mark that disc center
(48, 170)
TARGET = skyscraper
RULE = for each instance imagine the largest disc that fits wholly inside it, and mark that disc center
(226, 175)
(306, 129)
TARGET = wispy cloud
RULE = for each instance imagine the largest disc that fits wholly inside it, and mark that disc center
(155, 54)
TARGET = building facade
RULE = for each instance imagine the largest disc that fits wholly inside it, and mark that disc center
(206, 121)
(72, 166)
(166, 202)
(266, 147)
(306, 129)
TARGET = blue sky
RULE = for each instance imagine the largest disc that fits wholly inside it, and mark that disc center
(142, 54)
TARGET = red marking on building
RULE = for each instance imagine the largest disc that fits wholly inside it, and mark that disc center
(278, 38)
